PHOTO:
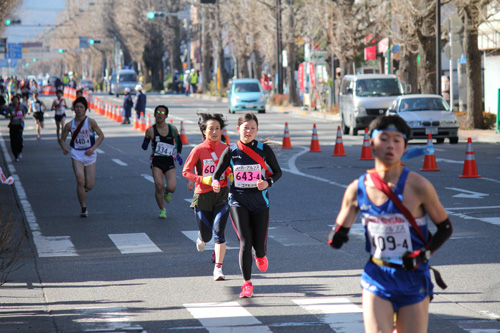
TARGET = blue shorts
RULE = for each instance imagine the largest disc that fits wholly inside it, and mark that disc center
(397, 285)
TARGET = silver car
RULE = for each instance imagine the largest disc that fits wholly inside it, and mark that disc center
(426, 114)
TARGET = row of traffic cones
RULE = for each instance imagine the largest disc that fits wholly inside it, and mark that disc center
(469, 170)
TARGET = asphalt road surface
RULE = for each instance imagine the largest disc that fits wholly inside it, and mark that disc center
(123, 269)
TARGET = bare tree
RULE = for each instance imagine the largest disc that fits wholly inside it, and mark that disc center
(7, 8)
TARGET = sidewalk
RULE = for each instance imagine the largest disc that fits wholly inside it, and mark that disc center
(476, 135)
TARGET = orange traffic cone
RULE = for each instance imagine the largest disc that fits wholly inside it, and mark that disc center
(430, 159)
(314, 141)
(287, 144)
(183, 136)
(226, 137)
(171, 121)
(136, 122)
(470, 168)
(366, 151)
(339, 145)
(142, 127)
(115, 113)
(148, 122)
(107, 114)
(120, 116)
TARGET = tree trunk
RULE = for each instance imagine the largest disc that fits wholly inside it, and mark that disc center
(427, 77)
(205, 58)
(473, 72)
(244, 66)
(409, 73)
(293, 96)
(223, 74)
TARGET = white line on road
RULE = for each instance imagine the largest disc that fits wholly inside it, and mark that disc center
(448, 161)
(112, 319)
(134, 243)
(472, 208)
(339, 313)
(293, 169)
(119, 162)
(467, 194)
(193, 235)
(148, 177)
(99, 151)
(225, 317)
(53, 246)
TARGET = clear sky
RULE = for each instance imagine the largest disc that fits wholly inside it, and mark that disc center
(33, 12)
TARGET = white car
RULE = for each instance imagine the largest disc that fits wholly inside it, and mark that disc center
(426, 114)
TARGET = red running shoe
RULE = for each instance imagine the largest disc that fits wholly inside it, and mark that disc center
(246, 290)
(261, 264)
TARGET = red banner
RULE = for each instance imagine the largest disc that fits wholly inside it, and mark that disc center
(371, 52)
(301, 77)
(312, 76)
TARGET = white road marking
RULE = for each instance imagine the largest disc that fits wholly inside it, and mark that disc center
(193, 235)
(339, 313)
(119, 162)
(490, 180)
(448, 161)
(293, 169)
(225, 317)
(134, 243)
(189, 200)
(473, 208)
(148, 177)
(53, 246)
(467, 194)
(112, 319)
(99, 151)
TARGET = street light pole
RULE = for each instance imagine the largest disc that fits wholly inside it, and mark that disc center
(438, 47)
(279, 66)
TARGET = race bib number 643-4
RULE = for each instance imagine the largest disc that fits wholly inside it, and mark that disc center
(246, 176)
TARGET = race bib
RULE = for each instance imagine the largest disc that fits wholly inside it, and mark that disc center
(209, 168)
(389, 236)
(164, 149)
(37, 107)
(82, 141)
(246, 176)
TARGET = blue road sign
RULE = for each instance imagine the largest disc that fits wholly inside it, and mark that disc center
(15, 51)
(4, 63)
(462, 59)
(13, 63)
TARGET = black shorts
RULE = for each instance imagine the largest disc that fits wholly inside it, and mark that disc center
(164, 163)
(38, 116)
(59, 117)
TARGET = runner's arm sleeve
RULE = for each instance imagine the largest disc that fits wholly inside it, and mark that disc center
(224, 161)
(179, 145)
(273, 163)
(145, 143)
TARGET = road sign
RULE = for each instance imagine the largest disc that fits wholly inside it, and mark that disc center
(15, 51)
(13, 63)
(84, 42)
(3, 45)
(462, 59)
(4, 63)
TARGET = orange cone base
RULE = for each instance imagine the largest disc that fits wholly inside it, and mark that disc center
(429, 163)
(470, 170)
(315, 147)
(287, 144)
(339, 150)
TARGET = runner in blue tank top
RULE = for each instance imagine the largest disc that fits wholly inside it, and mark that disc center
(396, 278)
(248, 195)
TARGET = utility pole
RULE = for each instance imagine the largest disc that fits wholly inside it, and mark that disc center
(279, 67)
(438, 47)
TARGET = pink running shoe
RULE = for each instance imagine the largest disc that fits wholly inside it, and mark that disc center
(246, 290)
(261, 264)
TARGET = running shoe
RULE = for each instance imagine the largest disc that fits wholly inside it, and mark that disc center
(163, 214)
(246, 290)
(167, 195)
(200, 245)
(218, 275)
(84, 213)
(39, 137)
(261, 264)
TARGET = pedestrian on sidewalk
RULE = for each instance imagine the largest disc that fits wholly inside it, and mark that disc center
(127, 106)
(211, 209)
(248, 195)
(83, 149)
(139, 102)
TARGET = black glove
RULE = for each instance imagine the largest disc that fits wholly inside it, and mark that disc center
(411, 260)
(338, 236)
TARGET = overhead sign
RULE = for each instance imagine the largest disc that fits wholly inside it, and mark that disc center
(3, 45)
(13, 63)
(84, 42)
(4, 63)
(15, 51)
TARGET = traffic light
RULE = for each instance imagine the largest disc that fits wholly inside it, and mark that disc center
(34, 59)
(208, 1)
(9, 22)
(93, 41)
(151, 15)
(61, 50)
(27, 65)
(158, 13)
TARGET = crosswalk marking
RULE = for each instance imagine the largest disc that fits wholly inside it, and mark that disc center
(119, 162)
(134, 243)
(53, 246)
(148, 177)
(112, 319)
(339, 313)
(193, 235)
(225, 317)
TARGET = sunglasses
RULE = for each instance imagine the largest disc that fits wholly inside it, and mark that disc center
(161, 112)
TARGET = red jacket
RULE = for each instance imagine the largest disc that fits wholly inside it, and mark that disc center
(202, 159)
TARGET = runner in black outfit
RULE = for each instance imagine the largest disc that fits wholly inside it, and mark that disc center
(248, 197)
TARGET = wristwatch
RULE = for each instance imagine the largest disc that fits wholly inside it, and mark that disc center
(270, 181)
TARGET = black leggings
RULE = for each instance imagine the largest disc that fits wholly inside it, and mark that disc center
(251, 228)
(16, 139)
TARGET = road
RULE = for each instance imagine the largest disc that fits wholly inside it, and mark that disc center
(123, 269)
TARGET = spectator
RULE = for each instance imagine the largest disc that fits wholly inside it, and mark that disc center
(139, 102)
(193, 80)
(446, 89)
(127, 107)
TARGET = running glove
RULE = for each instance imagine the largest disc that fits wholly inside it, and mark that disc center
(179, 160)
(207, 180)
(338, 237)
(230, 177)
(411, 260)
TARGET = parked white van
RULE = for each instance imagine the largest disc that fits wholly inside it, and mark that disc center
(124, 78)
(364, 97)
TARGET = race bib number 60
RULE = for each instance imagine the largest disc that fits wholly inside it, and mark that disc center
(209, 168)
(246, 176)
